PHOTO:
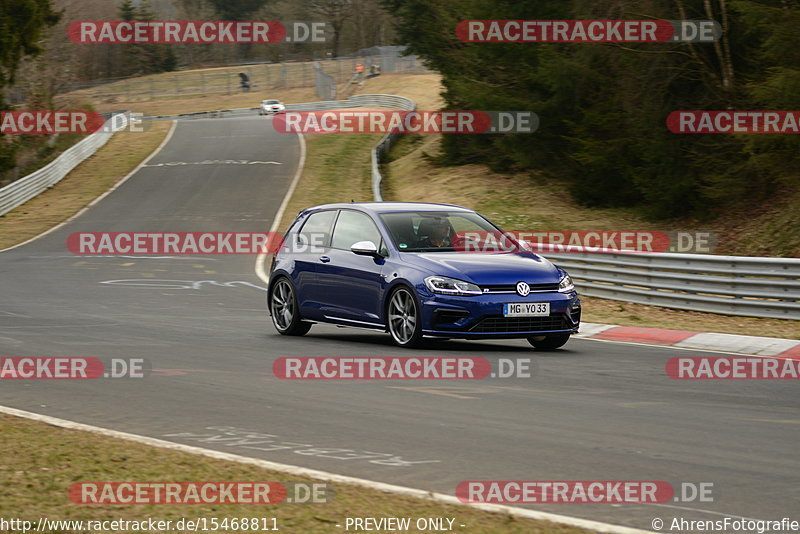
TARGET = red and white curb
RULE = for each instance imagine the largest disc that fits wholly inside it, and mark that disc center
(686, 339)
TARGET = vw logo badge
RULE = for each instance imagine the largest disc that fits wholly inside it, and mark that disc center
(523, 289)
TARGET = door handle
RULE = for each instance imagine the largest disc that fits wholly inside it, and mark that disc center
(324, 259)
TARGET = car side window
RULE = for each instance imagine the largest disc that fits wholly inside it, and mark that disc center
(352, 227)
(317, 229)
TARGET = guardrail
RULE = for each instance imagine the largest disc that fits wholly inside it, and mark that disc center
(382, 148)
(20, 191)
(731, 285)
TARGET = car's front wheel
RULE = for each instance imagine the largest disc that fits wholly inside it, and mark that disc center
(548, 342)
(285, 311)
(403, 318)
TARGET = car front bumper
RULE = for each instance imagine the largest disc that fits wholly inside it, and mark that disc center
(481, 316)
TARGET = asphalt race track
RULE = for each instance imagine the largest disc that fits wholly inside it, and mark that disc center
(592, 411)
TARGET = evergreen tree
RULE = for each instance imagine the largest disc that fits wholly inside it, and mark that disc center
(603, 107)
(22, 27)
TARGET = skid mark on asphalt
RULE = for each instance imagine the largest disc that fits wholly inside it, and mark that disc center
(457, 392)
(776, 421)
(84, 264)
(642, 403)
(179, 284)
(12, 314)
(184, 372)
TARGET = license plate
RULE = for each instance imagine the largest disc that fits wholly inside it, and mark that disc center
(526, 309)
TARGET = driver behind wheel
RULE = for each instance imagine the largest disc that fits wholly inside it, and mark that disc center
(434, 233)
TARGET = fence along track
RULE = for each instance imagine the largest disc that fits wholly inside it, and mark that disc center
(20, 191)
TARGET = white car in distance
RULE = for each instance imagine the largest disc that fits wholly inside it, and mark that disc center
(271, 107)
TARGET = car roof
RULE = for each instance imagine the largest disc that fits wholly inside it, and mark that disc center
(390, 207)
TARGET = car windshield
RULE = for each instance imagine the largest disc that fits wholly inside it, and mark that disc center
(271, 102)
(432, 231)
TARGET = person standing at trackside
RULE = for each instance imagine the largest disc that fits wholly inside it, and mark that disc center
(244, 81)
(358, 78)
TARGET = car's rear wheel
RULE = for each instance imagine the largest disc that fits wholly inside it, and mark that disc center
(548, 342)
(403, 318)
(285, 311)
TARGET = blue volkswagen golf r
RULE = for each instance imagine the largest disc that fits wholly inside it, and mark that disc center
(398, 267)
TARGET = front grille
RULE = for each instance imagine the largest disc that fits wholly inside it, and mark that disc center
(521, 324)
(512, 288)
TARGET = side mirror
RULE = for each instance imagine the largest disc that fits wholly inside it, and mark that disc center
(365, 248)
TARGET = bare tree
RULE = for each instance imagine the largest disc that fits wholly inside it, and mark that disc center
(371, 24)
(335, 13)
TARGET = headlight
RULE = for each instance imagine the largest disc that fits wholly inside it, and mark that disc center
(451, 286)
(566, 285)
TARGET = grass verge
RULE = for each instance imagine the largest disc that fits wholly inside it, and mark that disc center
(338, 166)
(90, 179)
(337, 169)
(37, 482)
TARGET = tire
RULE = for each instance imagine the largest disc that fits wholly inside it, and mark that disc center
(549, 342)
(284, 309)
(403, 318)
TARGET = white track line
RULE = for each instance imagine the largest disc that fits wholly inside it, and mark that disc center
(101, 197)
(324, 475)
(279, 215)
